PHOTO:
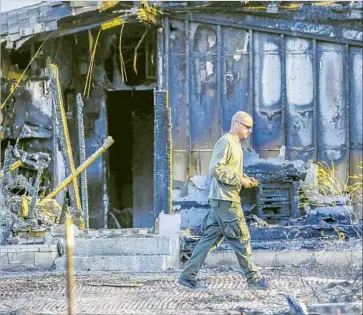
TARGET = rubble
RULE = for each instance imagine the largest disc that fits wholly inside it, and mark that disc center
(254, 221)
(168, 225)
(27, 208)
(19, 191)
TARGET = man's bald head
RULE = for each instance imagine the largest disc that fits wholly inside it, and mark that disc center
(241, 125)
(242, 117)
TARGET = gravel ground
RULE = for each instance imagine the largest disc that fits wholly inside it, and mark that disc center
(158, 293)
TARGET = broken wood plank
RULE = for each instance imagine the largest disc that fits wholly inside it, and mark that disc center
(118, 285)
(64, 139)
(108, 142)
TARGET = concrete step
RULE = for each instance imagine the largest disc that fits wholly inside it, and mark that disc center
(24, 257)
(129, 263)
(350, 258)
(118, 246)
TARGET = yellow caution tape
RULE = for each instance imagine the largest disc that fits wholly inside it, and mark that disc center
(12, 75)
(115, 22)
(107, 4)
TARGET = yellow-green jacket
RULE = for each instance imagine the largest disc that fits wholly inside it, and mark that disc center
(226, 168)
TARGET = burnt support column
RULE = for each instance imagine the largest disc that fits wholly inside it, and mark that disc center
(162, 153)
(82, 159)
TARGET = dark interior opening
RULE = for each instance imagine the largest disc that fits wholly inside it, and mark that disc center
(249, 201)
(144, 59)
(20, 58)
(131, 124)
(272, 210)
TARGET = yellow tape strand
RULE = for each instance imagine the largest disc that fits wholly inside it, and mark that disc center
(137, 47)
(90, 68)
(122, 63)
(66, 135)
(22, 75)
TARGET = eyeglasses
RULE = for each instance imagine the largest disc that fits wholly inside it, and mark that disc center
(247, 127)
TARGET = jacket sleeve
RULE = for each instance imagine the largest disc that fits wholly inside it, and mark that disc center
(218, 165)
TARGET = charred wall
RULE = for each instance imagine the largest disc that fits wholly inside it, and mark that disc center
(29, 121)
(301, 81)
(31, 109)
(301, 90)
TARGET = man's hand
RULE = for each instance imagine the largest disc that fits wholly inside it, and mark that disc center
(254, 181)
(248, 182)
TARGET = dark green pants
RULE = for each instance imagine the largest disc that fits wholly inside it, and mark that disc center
(224, 220)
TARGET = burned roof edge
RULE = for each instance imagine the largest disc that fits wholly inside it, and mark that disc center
(17, 26)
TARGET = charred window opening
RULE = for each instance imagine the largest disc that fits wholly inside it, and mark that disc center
(131, 123)
(20, 59)
(144, 60)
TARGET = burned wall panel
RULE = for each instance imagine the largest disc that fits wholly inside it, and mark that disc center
(307, 85)
(356, 105)
(204, 114)
(235, 73)
(27, 121)
(178, 95)
(269, 128)
(356, 117)
(332, 109)
(300, 103)
(303, 91)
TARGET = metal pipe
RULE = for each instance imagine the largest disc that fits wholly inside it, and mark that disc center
(166, 51)
(347, 76)
(251, 82)
(160, 64)
(82, 159)
(315, 101)
(284, 108)
(220, 78)
(187, 103)
(108, 142)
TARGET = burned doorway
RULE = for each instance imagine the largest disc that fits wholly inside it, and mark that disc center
(130, 164)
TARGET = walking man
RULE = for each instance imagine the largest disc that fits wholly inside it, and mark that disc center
(226, 219)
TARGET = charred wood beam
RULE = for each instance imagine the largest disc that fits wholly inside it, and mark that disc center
(162, 154)
(7, 165)
(108, 142)
(160, 58)
(34, 191)
(82, 159)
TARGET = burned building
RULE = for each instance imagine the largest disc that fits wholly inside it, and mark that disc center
(164, 79)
